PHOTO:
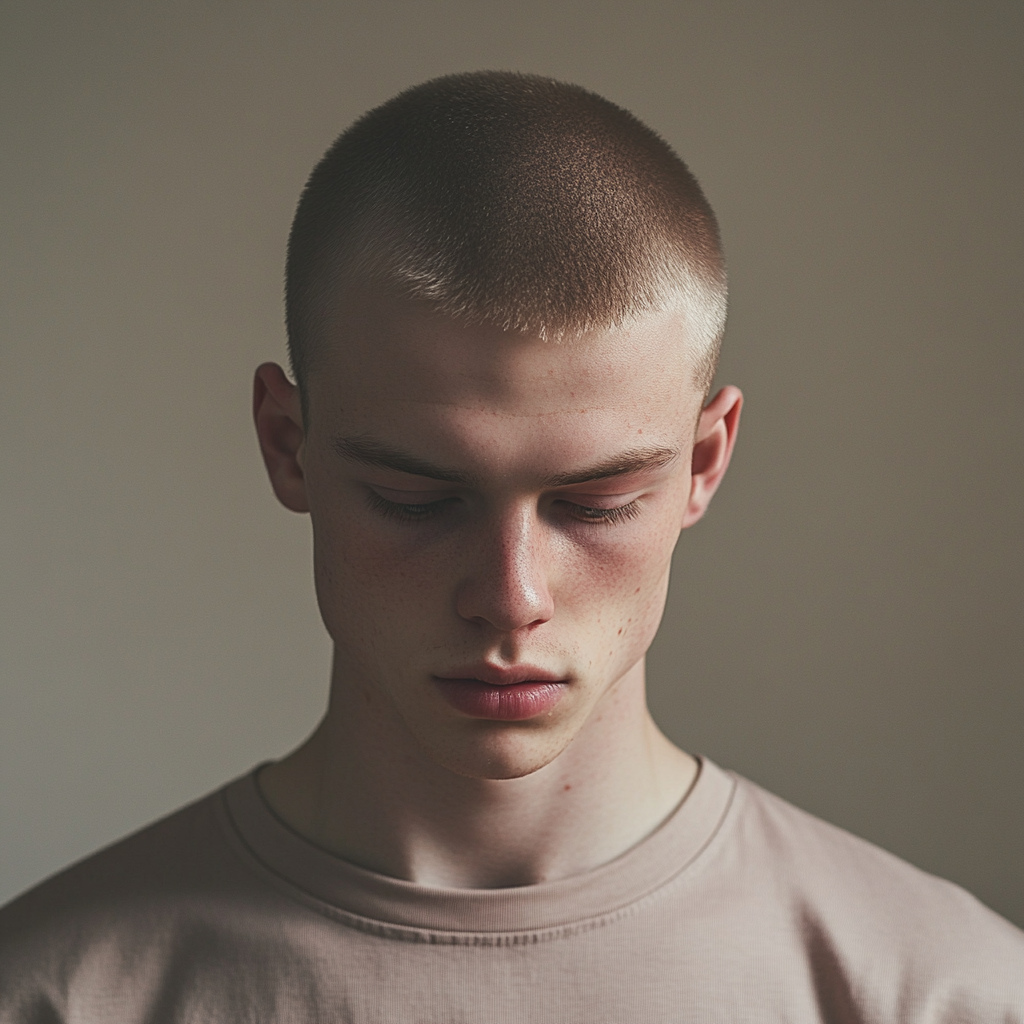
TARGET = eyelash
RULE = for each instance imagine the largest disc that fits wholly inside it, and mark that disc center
(610, 516)
(428, 510)
(405, 513)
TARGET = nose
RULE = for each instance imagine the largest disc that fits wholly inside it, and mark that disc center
(507, 583)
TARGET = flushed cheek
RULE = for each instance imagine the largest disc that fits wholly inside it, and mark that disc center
(371, 592)
(616, 601)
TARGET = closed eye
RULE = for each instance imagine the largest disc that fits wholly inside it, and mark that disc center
(410, 512)
(618, 514)
(423, 511)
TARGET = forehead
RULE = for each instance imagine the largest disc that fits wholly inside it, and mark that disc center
(380, 349)
(496, 405)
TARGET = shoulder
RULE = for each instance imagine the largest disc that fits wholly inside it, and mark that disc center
(869, 921)
(108, 914)
(838, 869)
(162, 857)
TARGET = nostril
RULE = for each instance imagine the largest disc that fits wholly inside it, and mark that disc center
(506, 608)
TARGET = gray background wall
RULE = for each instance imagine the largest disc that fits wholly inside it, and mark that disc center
(844, 628)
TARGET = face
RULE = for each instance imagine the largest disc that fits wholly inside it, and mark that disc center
(493, 517)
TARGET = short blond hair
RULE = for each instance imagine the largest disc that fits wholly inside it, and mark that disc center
(510, 199)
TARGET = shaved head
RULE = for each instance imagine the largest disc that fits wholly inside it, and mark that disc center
(508, 199)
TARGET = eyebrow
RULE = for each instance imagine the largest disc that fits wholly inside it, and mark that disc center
(371, 451)
(636, 460)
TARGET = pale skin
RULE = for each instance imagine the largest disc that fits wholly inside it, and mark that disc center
(481, 497)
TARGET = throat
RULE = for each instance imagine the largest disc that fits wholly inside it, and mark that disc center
(424, 824)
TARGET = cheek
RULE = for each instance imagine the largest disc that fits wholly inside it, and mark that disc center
(366, 583)
(617, 591)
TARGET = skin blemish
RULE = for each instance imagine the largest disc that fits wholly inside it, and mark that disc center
(567, 787)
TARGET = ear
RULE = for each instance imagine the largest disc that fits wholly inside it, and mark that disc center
(712, 449)
(278, 414)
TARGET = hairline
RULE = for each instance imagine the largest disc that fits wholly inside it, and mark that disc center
(322, 314)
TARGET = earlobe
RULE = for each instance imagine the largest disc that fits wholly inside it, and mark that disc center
(278, 416)
(712, 450)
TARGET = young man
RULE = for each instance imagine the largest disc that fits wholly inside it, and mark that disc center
(505, 298)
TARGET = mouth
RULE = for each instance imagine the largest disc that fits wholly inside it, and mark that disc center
(512, 694)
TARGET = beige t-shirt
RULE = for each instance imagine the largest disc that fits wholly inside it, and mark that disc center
(739, 908)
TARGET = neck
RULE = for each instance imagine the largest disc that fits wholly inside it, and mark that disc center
(361, 789)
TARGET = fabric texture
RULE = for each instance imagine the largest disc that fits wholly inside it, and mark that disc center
(739, 908)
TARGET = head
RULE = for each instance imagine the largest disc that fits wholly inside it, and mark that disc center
(512, 200)
(505, 297)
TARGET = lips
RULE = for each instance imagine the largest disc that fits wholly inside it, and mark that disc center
(512, 694)
(496, 675)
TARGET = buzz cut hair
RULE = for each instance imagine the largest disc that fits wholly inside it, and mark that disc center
(508, 199)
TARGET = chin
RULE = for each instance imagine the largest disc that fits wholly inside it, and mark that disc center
(497, 751)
